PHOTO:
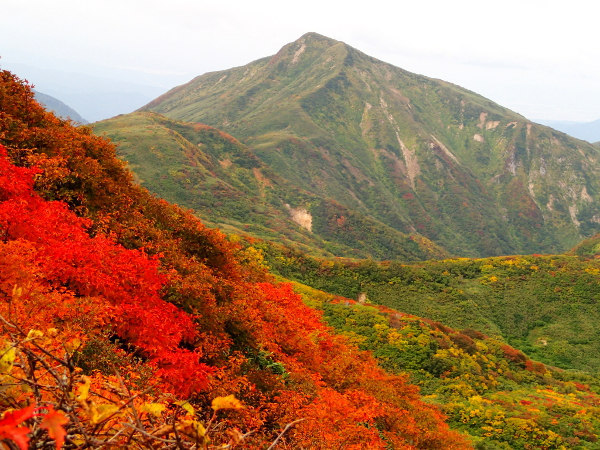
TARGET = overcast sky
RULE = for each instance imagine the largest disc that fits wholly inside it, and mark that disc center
(539, 58)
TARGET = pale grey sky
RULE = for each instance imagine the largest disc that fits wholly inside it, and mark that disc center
(540, 58)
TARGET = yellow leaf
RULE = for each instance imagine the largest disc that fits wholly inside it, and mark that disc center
(193, 429)
(155, 409)
(199, 429)
(77, 439)
(34, 334)
(7, 358)
(186, 405)
(102, 412)
(229, 402)
(72, 345)
(17, 292)
(52, 332)
(83, 390)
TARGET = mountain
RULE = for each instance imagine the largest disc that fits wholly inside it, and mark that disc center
(588, 131)
(124, 322)
(416, 154)
(59, 108)
(228, 186)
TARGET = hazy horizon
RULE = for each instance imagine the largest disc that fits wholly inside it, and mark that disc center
(536, 58)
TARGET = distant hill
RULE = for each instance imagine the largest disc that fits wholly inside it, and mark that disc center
(59, 108)
(93, 95)
(417, 154)
(588, 131)
(228, 186)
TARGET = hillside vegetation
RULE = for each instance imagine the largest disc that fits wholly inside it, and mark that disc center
(124, 322)
(416, 154)
(488, 389)
(226, 185)
(546, 306)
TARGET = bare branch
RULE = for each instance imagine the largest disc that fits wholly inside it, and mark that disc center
(287, 427)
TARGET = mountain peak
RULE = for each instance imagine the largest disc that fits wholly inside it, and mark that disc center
(309, 43)
(311, 36)
(390, 144)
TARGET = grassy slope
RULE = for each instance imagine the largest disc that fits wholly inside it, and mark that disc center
(488, 389)
(588, 248)
(227, 185)
(546, 306)
(415, 153)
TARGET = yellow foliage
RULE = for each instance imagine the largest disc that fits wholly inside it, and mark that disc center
(52, 332)
(34, 334)
(187, 407)
(395, 338)
(102, 412)
(156, 409)
(7, 358)
(83, 390)
(73, 345)
(194, 429)
(229, 402)
(423, 340)
(16, 292)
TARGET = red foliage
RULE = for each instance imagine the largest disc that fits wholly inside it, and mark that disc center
(53, 422)
(536, 367)
(12, 426)
(514, 355)
(96, 266)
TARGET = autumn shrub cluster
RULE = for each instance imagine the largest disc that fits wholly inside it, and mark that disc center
(488, 389)
(124, 318)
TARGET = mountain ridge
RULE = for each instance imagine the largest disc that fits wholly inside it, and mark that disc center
(229, 187)
(418, 154)
(59, 108)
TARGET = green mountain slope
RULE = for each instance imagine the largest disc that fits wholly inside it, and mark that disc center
(418, 154)
(546, 306)
(488, 389)
(588, 248)
(228, 186)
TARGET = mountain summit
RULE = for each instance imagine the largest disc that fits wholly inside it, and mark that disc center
(416, 154)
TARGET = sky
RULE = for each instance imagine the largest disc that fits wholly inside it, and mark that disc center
(105, 57)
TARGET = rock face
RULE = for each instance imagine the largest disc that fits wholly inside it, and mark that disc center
(301, 216)
(416, 154)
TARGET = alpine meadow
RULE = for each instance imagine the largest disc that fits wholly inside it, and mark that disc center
(316, 250)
